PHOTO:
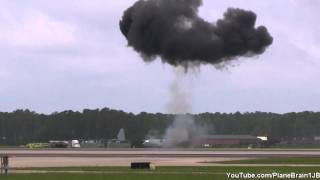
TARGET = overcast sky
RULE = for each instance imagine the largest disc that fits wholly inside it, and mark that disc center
(60, 55)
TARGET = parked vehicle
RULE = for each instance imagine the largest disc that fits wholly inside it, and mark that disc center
(75, 143)
(58, 144)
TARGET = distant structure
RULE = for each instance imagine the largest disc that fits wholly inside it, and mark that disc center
(64, 144)
(120, 142)
(316, 138)
(93, 143)
(226, 141)
(74, 143)
(210, 141)
(263, 138)
(153, 143)
(4, 162)
(121, 135)
(58, 144)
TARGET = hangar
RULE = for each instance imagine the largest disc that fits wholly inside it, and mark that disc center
(226, 140)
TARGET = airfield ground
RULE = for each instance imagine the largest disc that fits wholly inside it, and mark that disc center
(161, 173)
(20, 158)
(191, 164)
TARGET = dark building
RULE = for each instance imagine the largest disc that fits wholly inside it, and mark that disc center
(226, 141)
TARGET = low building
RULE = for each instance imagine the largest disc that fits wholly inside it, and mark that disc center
(316, 138)
(226, 141)
(92, 143)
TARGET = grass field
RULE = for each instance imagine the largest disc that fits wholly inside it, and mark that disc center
(278, 160)
(170, 173)
(161, 173)
(124, 176)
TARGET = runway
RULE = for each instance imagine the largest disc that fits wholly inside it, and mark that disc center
(162, 153)
(123, 157)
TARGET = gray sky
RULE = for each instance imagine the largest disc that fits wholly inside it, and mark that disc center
(59, 55)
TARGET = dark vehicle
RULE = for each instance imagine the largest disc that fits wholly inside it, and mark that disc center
(58, 144)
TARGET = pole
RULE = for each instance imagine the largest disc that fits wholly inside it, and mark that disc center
(1, 164)
(4, 164)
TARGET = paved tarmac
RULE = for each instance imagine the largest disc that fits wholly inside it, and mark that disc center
(164, 153)
(123, 157)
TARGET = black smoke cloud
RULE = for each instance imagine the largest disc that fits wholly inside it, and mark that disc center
(172, 30)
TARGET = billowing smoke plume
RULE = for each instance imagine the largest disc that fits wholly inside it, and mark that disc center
(183, 127)
(173, 31)
(180, 104)
(180, 101)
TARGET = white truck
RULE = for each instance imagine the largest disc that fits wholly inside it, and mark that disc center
(75, 143)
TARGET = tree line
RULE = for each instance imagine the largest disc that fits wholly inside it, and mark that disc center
(24, 126)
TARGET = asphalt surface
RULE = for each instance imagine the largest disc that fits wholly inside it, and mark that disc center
(22, 158)
(159, 153)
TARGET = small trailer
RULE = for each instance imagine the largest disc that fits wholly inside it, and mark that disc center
(143, 165)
